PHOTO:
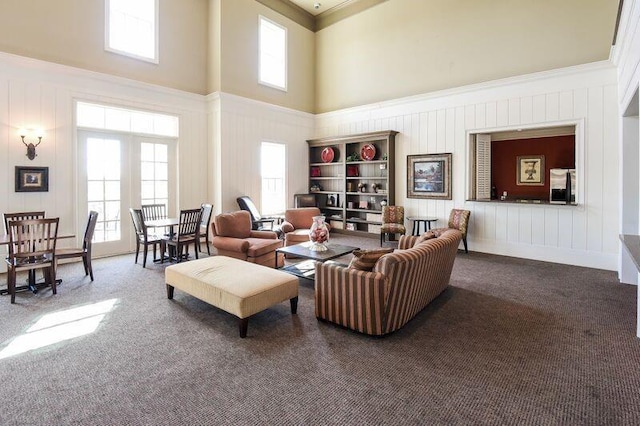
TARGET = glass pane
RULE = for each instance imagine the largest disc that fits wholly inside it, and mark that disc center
(95, 190)
(146, 152)
(112, 190)
(90, 116)
(147, 190)
(162, 190)
(112, 210)
(146, 171)
(117, 119)
(148, 201)
(99, 207)
(161, 152)
(162, 171)
(98, 235)
(141, 122)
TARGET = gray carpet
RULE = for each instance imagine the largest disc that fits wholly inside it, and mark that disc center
(510, 341)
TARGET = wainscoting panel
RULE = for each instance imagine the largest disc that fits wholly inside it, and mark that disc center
(36, 93)
(440, 122)
(244, 125)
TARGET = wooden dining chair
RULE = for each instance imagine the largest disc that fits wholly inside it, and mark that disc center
(188, 232)
(20, 216)
(154, 212)
(32, 245)
(207, 209)
(143, 238)
(83, 252)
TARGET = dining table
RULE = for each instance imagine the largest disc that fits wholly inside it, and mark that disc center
(31, 281)
(167, 222)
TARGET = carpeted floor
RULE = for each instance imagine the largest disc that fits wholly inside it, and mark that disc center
(511, 341)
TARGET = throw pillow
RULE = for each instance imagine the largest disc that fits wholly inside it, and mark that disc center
(365, 260)
(424, 237)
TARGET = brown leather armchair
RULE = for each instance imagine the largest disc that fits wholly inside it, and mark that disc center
(233, 237)
(297, 224)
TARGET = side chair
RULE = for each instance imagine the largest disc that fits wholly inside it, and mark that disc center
(257, 220)
(188, 232)
(32, 245)
(85, 251)
(20, 216)
(142, 236)
(204, 226)
(458, 219)
(392, 222)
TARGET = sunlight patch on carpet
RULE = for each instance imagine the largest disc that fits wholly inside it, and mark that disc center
(58, 327)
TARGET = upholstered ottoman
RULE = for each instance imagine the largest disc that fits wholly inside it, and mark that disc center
(238, 287)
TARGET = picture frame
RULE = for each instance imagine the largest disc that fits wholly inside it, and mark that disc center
(333, 200)
(353, 171)
(363, 205)
(530, 170)
(32, 179)
(429, 176)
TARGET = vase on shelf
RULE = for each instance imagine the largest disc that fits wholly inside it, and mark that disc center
(318, 234)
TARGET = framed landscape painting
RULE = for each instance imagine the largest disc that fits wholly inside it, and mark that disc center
(429, 176)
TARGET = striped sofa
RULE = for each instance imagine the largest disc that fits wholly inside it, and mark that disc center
(400, 285)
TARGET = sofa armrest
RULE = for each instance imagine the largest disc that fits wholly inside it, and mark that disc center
(352, 298)
(267, 235)
(286, 227)
(230, 244)
(407, 242)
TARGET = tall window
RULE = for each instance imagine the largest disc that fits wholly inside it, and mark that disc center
(154, 174)
(273, 54)
(273, 163)
(132, 28)
(103, 186)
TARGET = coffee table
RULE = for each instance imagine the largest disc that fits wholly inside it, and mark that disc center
(306, 269)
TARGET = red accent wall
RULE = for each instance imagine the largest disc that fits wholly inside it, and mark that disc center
(558, 151)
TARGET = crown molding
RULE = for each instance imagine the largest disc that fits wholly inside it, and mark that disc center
(323, 20)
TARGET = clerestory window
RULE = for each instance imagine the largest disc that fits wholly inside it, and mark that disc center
(273, 54)
(132, 28)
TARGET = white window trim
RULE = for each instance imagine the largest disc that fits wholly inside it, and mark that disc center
(156, 54)
(286, 55)
(580, 161)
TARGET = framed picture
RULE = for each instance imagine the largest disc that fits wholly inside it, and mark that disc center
(429, 176)
(353, 171)
(363, 205)
(530, 170)
(333, 200)
(32, 179)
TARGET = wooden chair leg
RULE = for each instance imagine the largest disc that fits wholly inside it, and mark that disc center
(84, 263)
(52, 280)
(464, 240)
(87, 258)
(11, 284)
(195, 249)
(207, 242)
(163, 247)
(137, 250)
(144, 255)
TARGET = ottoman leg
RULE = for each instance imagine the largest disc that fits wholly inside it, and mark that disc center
(294, 305)
(169, 291)
(244, 324)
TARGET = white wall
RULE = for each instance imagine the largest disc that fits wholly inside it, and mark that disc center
(36, 93)
(240, 126)
(626, 56)
(439, 122)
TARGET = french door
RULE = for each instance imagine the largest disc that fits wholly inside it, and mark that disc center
(118, 172)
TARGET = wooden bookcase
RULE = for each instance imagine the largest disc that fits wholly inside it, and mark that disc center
(344, 185)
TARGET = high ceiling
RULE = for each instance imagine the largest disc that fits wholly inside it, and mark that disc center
(324, 5)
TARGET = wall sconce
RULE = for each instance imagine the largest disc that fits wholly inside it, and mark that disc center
(31, 148)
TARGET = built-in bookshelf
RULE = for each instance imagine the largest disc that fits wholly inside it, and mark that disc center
(353, 177)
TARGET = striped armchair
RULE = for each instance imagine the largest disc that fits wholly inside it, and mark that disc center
(400, 285)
